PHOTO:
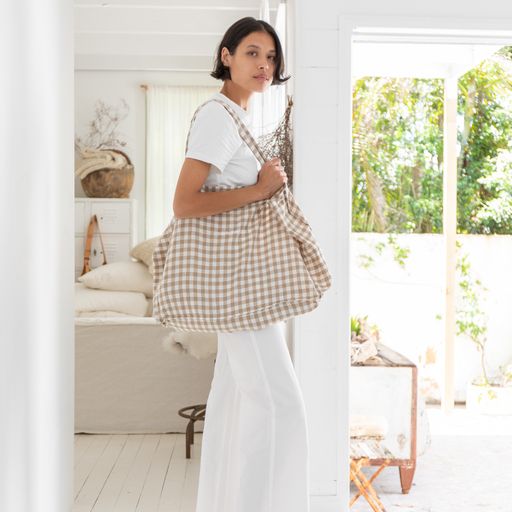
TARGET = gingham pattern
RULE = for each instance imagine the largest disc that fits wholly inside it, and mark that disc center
(238, 270)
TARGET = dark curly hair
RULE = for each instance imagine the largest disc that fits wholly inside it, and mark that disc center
(234, 34)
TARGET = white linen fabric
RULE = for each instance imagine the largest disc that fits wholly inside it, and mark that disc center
(214, 138)
(125, 383)
(255, 447)
(168, 113)
(132, 303)
(102, 314)
(123, 276)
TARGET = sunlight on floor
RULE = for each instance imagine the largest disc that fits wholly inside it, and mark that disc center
(465, 468)
(459, 421)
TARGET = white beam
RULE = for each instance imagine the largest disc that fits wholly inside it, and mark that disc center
(177, 4)
(449, 232)
(150, 19)
(190, 64)
(37, 260)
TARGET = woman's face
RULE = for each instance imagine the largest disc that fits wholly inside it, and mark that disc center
(253, 63)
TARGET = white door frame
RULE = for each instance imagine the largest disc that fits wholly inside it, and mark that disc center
(449, 30)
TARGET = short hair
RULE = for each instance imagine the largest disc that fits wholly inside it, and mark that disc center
(231, 39)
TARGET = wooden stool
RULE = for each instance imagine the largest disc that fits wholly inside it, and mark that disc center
(197, 413)
(366, 452)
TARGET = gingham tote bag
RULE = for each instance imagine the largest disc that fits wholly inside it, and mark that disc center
(242, 269)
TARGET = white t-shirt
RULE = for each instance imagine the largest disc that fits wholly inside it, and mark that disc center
(214, 139)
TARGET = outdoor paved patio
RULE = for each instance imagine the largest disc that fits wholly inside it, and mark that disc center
(467, 468)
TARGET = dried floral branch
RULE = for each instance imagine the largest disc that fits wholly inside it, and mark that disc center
(102, 129)
(280, 143)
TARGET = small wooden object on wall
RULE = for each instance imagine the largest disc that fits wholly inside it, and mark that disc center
(110, 182)
(87, 253)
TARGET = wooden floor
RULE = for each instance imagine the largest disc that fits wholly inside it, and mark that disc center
(147, 473)
(125, 473)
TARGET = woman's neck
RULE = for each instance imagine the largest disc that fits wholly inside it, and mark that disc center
(235, 93)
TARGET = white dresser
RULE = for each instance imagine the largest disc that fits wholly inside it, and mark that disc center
(117, 219)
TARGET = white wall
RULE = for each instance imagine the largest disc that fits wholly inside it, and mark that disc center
(323, 14)
(322, 187)
(404, 302)
(322, 357)
(37, 270)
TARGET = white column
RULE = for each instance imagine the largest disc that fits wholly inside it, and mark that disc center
(36, 258)
(322, 176)
(449, 232)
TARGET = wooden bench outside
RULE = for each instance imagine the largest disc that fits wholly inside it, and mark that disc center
(368, 452)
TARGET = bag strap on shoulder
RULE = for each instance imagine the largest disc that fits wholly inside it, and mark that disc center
(243, 131)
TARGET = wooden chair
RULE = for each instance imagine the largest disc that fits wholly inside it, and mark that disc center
(367, 449)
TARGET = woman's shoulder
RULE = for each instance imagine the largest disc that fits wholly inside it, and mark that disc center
(215, 110)
(213, 119)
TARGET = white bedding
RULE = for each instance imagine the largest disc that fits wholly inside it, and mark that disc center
(126, 382)
(89, 301)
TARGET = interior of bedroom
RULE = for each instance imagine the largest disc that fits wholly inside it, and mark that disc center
(139, 77)
(122, 102)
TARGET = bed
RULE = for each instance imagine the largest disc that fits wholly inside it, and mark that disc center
(127, 382)
(132, 375)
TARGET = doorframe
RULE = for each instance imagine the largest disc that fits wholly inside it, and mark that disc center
(449, 30)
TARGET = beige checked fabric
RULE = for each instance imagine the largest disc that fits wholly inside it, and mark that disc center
(242, 269)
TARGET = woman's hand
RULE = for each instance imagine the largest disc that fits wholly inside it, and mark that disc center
(271, 177)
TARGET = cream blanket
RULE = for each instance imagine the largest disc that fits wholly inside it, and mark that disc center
(88, 300)
(95, 159)
(197, 344)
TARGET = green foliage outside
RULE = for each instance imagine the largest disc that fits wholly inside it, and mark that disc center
(397, 159)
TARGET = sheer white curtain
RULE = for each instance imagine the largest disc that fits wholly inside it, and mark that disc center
(268, 108)
(169, 110)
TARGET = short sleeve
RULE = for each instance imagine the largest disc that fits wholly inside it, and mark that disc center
(213, 136)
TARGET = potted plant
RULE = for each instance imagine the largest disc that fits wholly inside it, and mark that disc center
(485, 394)
(363, 339)
(104, 169)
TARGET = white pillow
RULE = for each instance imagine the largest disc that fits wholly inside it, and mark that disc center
(101, 314)
(144, 252)
(125, 276)
(131, 303)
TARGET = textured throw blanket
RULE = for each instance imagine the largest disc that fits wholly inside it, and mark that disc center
(95, 159)
(197, 344)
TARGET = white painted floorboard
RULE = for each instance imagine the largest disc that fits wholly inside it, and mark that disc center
(125, 473)
(467, 468)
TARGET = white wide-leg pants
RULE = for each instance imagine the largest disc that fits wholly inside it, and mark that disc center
(254, 451)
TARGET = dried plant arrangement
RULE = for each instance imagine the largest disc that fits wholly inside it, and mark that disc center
(280, 142)
(103, 168)
(102, 129)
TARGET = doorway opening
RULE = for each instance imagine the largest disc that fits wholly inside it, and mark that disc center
(404, 78)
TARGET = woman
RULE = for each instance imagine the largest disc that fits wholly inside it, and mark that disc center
(254, 455)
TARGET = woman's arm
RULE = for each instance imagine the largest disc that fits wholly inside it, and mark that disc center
(190, 202)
